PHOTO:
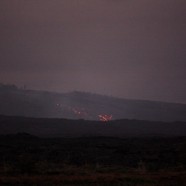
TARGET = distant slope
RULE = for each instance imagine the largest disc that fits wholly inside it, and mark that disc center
(79, 105)
(82, 128)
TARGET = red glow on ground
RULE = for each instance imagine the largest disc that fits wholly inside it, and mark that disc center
(82, 113)
(105, 117)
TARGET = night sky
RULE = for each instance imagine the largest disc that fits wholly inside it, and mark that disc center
(124, 48)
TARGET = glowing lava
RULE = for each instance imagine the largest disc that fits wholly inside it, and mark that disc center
(105, 117)
(82, 113)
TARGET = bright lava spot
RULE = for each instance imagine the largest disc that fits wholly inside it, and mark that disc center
(105, 117)
(82, 113)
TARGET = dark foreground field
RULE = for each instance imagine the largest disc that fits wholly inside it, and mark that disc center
(29, 160)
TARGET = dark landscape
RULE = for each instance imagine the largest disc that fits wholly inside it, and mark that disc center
(82, 105)
(30, 160)
(38, 149)
(92, 93)
(41, 151)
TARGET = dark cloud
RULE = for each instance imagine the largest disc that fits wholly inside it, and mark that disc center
(134, 49)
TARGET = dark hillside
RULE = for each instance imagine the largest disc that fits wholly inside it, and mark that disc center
(79, 105)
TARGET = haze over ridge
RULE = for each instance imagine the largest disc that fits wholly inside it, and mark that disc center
(130, 49)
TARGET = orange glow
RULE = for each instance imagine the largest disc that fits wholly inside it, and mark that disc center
(105, 117)
(81, 113)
